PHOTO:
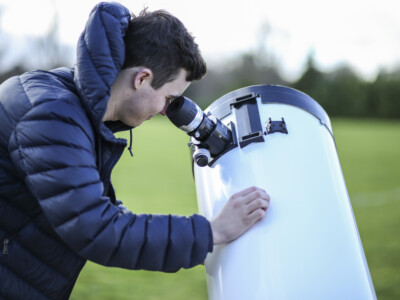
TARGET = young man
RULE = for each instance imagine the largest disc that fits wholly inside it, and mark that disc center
(57, 150)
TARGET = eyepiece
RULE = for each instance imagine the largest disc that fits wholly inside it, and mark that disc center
(185, 114)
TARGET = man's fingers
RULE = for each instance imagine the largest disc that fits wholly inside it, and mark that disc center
(257, 204)
(246, 191)
(242, 211)
(256, 215)
(257, 194)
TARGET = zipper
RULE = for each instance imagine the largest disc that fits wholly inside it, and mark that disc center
(5, 246)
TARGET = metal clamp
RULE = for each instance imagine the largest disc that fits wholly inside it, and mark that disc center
(276, 126)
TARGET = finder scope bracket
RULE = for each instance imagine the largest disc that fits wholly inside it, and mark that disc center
(276, 126)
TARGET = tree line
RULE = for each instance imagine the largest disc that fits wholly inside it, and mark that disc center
(341, 92)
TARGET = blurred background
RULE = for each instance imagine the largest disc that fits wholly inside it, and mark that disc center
(344, 53)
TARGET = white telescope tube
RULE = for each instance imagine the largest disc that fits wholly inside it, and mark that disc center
(307, 246)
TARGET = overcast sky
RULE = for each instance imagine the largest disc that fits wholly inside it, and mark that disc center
(362, 33)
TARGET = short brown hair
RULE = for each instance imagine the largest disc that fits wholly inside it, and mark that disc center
(159, 41)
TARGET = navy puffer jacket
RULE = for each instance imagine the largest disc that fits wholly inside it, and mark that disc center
(57, 204)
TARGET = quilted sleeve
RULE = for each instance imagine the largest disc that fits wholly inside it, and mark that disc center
(52, 148)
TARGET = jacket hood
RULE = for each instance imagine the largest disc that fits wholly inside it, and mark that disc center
(100, 57)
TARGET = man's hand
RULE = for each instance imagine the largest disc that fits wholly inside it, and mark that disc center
(239, 214)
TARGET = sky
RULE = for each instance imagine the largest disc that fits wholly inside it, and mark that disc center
(363, 34)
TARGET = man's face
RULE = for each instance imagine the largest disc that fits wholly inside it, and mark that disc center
(146, 102)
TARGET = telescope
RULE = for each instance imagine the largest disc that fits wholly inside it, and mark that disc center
(281, 140)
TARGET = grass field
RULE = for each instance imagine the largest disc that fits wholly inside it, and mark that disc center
(159, 180)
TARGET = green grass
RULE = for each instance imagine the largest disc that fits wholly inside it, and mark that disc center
(159, 180)
(369, 153)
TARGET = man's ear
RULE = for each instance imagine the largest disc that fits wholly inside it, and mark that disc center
(142, 77)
